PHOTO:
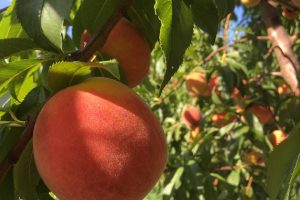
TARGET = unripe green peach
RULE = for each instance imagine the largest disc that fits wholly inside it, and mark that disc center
(98, 140)
(129, 47)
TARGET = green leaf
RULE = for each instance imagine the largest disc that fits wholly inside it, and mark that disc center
(7, 187)
(295, 173)
(224, 7)
(142, 14)
(255, 126)
(12, 46)
(52, 20)
(8, 137)
(234, 178)
(206, 17)
(10, 26)
(22, 85)
(175, 182)
(92, 15)
(43, 21)
(32, 102)
(283, 165)
(64, 74)
(26, 176)
(11, 71)
(175, 34)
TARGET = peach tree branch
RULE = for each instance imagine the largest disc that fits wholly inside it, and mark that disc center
(284, 53)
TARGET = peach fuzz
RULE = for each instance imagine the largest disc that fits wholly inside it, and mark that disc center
(98, 140)
(130, 48)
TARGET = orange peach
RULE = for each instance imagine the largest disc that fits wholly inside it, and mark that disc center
(250, 3)
(191, 117)
(98, 140)
(236, 94)
(291, 15)
(196, 84)
(262, 112)
(214, 84)
(195, 133)
(283, 89)
(277, 137)
(222, 119)
(130, 48)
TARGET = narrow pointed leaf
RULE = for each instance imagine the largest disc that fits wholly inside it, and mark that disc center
(175, 34)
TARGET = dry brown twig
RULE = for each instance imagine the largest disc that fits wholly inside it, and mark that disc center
(225, 35)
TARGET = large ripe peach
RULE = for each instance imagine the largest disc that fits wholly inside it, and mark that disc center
(99, 140)
(262, 112)
(196, 84)
(191, 117)
(129, 47)
(250, 3)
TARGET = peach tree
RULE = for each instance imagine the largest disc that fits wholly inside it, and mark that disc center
(237, 138)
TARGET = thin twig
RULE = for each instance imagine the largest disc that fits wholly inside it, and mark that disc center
(247, 192)
(225, 35)
(242, 40)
